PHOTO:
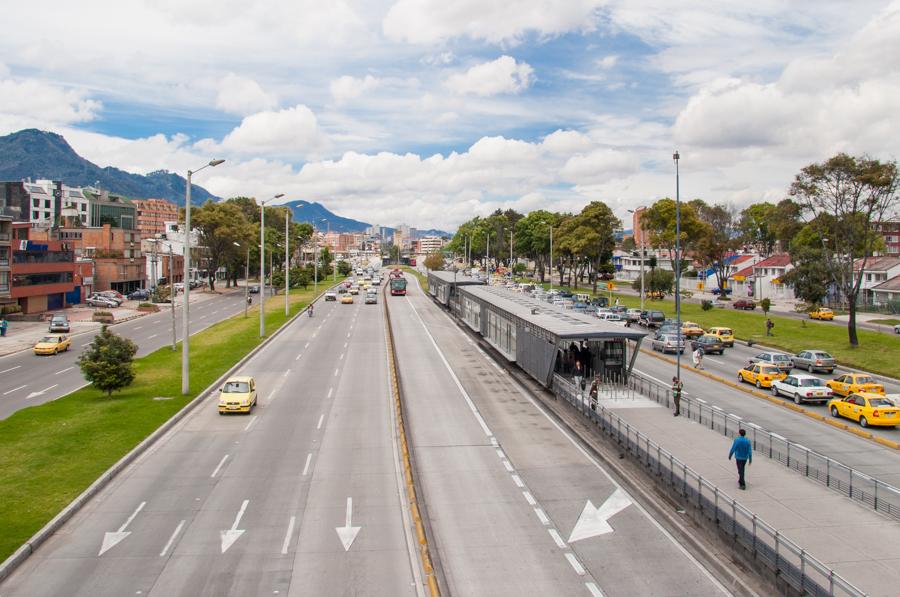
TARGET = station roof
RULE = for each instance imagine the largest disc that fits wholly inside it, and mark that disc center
(457, 278)
(563, 323)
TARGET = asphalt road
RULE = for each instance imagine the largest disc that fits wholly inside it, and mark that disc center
(27, 379)
(302, 497)
(510, 498)
(862, 454)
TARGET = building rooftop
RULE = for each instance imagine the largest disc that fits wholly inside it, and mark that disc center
(878, 264)
(455, 278)
(892, 285)
(562, 323)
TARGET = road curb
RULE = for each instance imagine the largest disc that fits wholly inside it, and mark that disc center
(788, 405)
(20, 555)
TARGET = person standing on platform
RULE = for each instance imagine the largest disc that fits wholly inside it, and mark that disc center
(677, 387)
(742, 450)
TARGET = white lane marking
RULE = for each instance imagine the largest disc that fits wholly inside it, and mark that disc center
(508, 466)
(297, 358)
(557, 538)
(306, 466)
(529, 498)
(576, 565)
(113, 538)
(14, 389)
(542, 516)
(250, 424)
(330, 390)
(500, 453)
(712, 360)
(219, 466)
(287, 535)
(171, 540)
(137, 327)
(348, 335)
(348, 532)
(341, 358)
(229, 536)
(518, 481)
(336, 372)
(462, 390)
(594, 590)
(288, 372)
(17, 366)
(57, 373)
(345, 344)
(307, 345)
(321, 419)
(153, 336)
(40, 392)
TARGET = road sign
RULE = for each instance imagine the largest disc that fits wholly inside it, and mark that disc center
(610, 286)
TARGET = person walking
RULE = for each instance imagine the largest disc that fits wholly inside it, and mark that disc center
(742, 450)
(677, 387)
(698, 358)
(594, 392)
(3, 326)
(578, 375)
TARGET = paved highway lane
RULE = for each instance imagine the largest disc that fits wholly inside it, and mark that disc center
(862, 454)
(27, 379)
(515, 507)
(253, 505)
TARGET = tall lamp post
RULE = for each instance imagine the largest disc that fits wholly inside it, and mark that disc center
(677, 157)
(262, 263)
(643, 255)
(287, 260)
(185, 316)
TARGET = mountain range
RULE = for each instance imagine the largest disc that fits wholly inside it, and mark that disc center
(31, 153)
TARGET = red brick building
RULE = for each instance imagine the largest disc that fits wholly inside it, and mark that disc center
(152, 214)
(43, 270)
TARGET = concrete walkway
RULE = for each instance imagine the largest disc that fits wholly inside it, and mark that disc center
(858, 543)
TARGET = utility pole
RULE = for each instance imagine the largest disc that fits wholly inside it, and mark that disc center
(287, 260)
(677, 157)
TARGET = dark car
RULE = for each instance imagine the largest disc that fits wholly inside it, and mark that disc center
(653, 319)
(141, 294)
(709, 343)
(59, 323)
(254, 289)
(718, 291)
(745, 304)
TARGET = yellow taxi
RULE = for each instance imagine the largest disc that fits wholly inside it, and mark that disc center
(760, 374)
(691, 329)
(52, 344)
(822, 313)
(237, 395)
(851, 383)
(866, 409)
(726, 335)
(347, 299)
(354, 289)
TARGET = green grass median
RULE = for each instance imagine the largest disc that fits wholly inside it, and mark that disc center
(877, 352)
(50, 453)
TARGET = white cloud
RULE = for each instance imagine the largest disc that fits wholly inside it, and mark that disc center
(607, 62)
(43, 104)
(566, 142)
(346, 88)
(503, 75)
(600, 165)
(494, 21)
(242, 96)
(289, 132)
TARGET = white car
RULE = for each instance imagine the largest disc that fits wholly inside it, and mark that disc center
(633, 315)
(803, 388)
(331, 295)
(611, 318)
(897, 329)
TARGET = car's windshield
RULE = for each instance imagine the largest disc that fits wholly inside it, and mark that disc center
(811, 382)
(725, 331)
(823, 355)
(58, 318)
(880, 402)
(864, 379)
(236, 387)
(50, 339)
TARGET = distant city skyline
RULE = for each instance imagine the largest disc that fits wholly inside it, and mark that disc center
(406, 110)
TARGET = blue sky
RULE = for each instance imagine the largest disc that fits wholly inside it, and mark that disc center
(428, 112)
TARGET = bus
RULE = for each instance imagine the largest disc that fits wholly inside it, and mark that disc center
(398, 286)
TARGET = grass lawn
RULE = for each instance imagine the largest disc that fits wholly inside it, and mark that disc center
(877, 352)
(50, 453)
(885, 321)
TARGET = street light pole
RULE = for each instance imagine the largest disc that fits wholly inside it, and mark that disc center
(677, 157)
(315, 261)
(510, 250)
(287, 260)
(185, 314)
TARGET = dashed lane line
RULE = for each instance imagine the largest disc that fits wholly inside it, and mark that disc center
(14, 389)
(219, 467)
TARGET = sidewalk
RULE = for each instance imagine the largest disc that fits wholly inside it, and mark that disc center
(858, 543)
(23, 335)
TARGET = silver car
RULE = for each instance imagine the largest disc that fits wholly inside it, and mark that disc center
(779, 359)
(668, 343)
(814, 360)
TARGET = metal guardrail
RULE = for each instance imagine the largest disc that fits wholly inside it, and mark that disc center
(783, 557)
(847, 481)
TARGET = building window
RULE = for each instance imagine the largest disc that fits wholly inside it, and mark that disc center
(46, 204)
(41, 279)
(35, 203)
(35, 215)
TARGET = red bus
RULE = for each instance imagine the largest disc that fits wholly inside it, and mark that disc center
(398, 286)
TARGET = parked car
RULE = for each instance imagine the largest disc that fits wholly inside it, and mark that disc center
(866, 409)
(854, 383)
(779, 359)
(107, 297)
(822, 313)
(653, 319)
(725, 334)
(179, 286)
(761, 375)
(59, 323)
(668, 343)
(814, 360)
(115, 295)
(803, 388)
(101, 301)
(745, 304)
(141, 294)
(709, 344)
(719, 291)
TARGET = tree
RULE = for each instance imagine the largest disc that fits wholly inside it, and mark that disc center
(659, 222)
(769, 227)
(656, 280)
(106, 362)
(719, 240)
(812, 274)
(858, 192)
(765, 305)
(344, 268)
(434, 260)
(219, 226)
(325, 259)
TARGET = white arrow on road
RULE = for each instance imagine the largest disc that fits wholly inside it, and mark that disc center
(41, 393)
(347, 533)
(233, 534)
(113, 538)
(595, 521)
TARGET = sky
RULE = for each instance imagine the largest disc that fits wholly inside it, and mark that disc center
(430, 112)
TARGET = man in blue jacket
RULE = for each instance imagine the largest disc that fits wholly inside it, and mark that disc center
(742, 450)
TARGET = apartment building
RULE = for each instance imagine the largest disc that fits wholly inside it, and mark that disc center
(5, 260)
(42, 270)
(116, 254)
(152, 215)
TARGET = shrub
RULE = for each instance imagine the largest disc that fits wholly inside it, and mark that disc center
(706, 305)
(102, 314)
(106, 362)
(146, 304)
(7, 309)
